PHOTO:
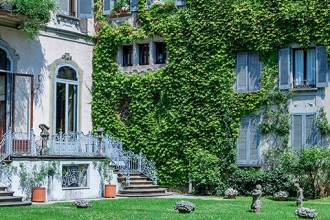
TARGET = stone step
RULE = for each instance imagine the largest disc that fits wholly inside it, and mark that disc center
(139, 178)
(14, 204)
(136, 182)
(140, 187)
(144, 191)
(144, 195)
(3, 188)
(4, 199)
(6, 193)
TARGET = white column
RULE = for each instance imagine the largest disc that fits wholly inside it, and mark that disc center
(152, 53)
(120, 56)
(135, 54)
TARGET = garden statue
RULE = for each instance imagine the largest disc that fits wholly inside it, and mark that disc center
(256, 202)
(44, 134)
(300, 195)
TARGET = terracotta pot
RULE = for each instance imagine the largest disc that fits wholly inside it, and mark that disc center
(109, 191)
(38, 194)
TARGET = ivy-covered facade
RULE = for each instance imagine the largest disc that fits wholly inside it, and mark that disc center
(204, 86)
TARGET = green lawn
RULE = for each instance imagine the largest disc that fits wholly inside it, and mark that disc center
(163, 209)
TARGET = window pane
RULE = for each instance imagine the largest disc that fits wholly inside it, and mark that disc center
(299, 67)
(127, 55)
(4, 64)
(143, 54)
(60, 107)
(160, 52)
(2, 105)
(66, 72)
(310, 67)
(72, 108)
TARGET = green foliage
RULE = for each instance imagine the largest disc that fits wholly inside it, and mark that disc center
(105, 170)
(190, 105)
(311, 168)
(37, 13)
(272, 181)
(322, 122)
(36, 176)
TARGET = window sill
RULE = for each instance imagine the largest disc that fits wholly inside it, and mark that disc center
(249, 165)
(61, 17)
(74, 188)
(304, 89)
(120, 14)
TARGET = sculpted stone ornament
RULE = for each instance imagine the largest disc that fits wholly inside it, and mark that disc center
(300, 195)
(44, 134)
(256, 202)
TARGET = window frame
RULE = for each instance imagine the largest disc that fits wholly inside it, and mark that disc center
(144, 54)
(161, 51)
(128, 55)
(67, 83)
(294, 64)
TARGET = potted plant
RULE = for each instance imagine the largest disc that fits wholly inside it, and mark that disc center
(33, 180)
(105, 170)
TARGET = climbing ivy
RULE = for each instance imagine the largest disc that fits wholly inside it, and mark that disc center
(190, 107)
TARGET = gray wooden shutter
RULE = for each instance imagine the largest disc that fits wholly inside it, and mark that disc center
(296, 133)
(134, 5)
(284, 68)
(254, 141)
(242, 141)
(254, 72)
(321, 67)
(311, 130)
(242, 72)
(106, 7)
(63, 6)
(85, 8)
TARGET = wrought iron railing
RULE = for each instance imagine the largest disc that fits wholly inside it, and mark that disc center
(78, 144)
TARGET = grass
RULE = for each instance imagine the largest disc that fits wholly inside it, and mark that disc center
(138, 208)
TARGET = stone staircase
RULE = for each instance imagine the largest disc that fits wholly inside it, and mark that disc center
(141, 186)
(7, 198)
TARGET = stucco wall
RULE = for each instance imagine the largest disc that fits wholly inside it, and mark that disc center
(55, 191)
(39, 57)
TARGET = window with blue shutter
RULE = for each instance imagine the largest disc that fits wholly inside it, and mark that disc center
(64, 7)
(106, 7)
(248, 141)
(134, 5)
(247, 72)
(303, 68)
(85, 8)
(304, 131)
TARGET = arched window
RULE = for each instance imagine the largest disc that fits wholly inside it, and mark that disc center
(66, 99)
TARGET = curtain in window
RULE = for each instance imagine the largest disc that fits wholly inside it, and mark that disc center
(310, 67)
(299, 67)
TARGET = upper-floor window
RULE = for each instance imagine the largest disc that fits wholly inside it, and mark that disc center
(76, 8)
(160, 52)
(248, 141)
(303, 68)
(248, 72)
(143, 54)
(304, 131)
(127, 55)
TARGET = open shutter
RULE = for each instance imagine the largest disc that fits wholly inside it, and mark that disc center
(254, 141)
(254, 70)
(63, 6)
(242, 141)
(106, 7)
(242, 72)
(134, 5)
(284, 68)
(297, 128)
(85, 8)
(321, 67)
